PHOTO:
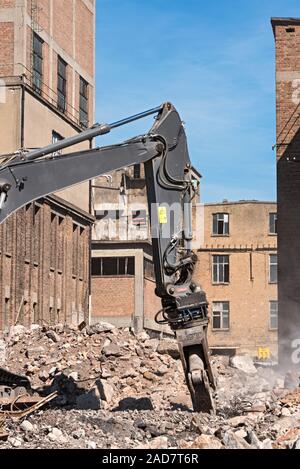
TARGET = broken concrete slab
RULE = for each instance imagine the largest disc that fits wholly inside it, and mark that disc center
(243, 363)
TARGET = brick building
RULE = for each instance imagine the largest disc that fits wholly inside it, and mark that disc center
(46, 93)
(287, 42)
(237, 268)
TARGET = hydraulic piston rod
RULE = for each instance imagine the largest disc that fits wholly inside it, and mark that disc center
(89, 134)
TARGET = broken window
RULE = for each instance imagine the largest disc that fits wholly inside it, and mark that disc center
(274, 315)
(112, 266)
(220, 269)
(273, 223)
(37, 63)
(221, 224)
(221, 315)
(273, 268)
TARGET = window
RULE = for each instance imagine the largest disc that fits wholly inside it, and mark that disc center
(37, 227)
(83, 103)
(149, 273)
(273, 223)
(37, 63)
(56, 137)
(221, 269)
(139, 218)
(61, 84)
(112, 266)
(221, 315)
(273, 268)
(137, 171)
(273, 315)
(75, 250)
(221, 224)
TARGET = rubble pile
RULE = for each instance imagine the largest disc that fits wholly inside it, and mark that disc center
(116, 390)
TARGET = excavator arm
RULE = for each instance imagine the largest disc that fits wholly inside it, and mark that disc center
(28, 176)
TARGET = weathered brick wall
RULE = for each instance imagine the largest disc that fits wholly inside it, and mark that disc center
(113, 296)
(6, 49)
(287, 42)
(41, 280)
(152, 304)
(287, 39)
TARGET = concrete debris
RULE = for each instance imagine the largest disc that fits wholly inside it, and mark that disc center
(113, 389)
(26, 426)
(112, 350)
(168, 347)
(53, 336)
(243, 363)
(106, 390)
(234, 441)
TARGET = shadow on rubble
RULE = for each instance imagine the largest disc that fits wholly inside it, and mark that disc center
(133, 403)
(72, 394)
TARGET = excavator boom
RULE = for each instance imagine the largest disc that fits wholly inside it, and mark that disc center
(28, 176)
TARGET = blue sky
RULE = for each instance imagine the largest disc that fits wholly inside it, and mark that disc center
(216, 62)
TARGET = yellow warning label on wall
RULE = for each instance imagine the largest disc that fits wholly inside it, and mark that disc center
(162, 215)
(264, 353)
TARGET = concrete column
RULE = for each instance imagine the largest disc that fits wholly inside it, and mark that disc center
(138, 318)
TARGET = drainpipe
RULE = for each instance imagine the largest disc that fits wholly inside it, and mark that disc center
(22, 115)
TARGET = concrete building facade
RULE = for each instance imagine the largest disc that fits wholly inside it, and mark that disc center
(46, 93)
(237, 269)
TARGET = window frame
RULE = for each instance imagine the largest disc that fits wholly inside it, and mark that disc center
(37, 57)
(62, 91)
(218, 220)
(272, 315)
(218, 282)
(272, 282)
(222, 311)
(83, 102)
(275, 232)
(129, 263)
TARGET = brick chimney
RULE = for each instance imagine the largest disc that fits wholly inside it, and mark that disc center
(287, 40)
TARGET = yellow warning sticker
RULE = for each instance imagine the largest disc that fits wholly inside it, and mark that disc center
(162, 215)
(264, 353)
